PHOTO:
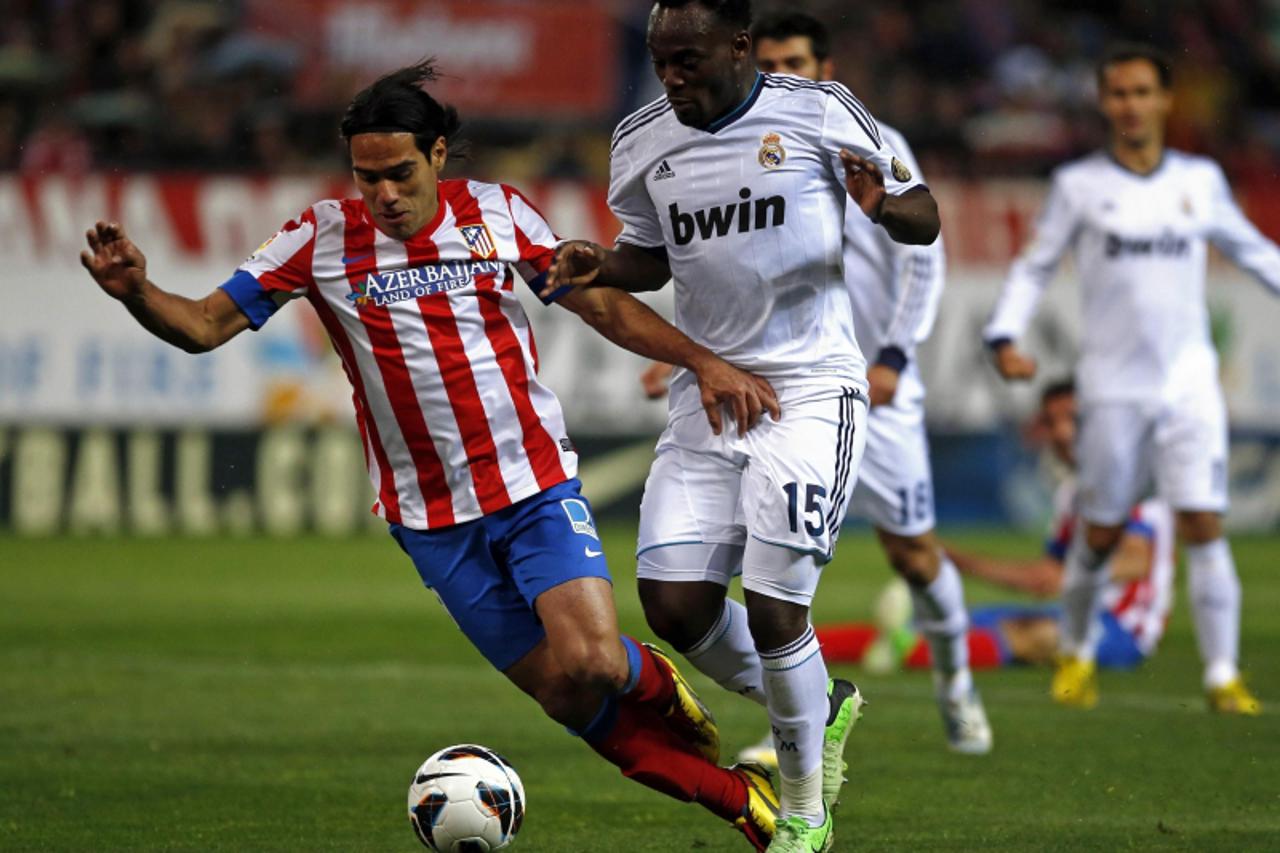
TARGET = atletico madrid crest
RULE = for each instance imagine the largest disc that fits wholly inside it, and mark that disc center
(479, 241)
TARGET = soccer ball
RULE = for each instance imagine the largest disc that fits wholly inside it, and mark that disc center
(466, 799)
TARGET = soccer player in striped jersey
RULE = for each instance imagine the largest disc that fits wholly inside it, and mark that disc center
(735, 186)
(466, 449)
(894, 289)
(1138, 218)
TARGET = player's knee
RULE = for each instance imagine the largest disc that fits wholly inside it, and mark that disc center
(914, 559)
(1103, 539)
(1199, 528)
(774, 622)
(679, 621)
(597, 664)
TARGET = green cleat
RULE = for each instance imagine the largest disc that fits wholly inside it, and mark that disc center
(794, 835)
(760, 813)
(846, 709)
(687, 716)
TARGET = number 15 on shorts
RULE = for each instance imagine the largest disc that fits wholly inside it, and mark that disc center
(812, 513)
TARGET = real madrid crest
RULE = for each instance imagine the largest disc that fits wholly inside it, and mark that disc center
(900, 171)
(772, 154)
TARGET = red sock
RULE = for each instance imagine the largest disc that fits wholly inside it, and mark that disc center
(984, 651)
(652, 683)
(845, 643)
(639, 743)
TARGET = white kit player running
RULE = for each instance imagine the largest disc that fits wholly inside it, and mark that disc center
(895, 289)
(1138, 218)
(735, 187)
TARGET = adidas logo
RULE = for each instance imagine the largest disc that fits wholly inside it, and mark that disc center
(664, 171)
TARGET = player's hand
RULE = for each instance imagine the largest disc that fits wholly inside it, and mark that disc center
(747, 397)
(655, 378)
(883, 382)
(577, 263)
(1013, 364)
(115, 263)
(865, 183)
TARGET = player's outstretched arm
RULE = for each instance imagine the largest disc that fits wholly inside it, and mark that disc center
(909, 218)
(1041, 577)
(632, 325)
(581, 263)
(120, 269)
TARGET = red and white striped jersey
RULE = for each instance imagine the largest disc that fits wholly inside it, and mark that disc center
(1141, 606)
(439, 353)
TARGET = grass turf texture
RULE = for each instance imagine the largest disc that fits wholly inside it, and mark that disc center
(277, 695)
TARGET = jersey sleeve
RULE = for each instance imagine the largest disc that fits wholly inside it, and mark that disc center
(536, 241)
(1238, 238)
(277, 272)
(630, 202)
(920, 272)
(846, 123)
(1055, 232)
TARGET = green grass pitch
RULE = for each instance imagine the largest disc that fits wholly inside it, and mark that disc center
(265, 695)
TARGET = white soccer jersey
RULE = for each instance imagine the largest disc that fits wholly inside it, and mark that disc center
(1141, 606)
(438, 350)
(751, 215)
(894, 287)
(1140, 246)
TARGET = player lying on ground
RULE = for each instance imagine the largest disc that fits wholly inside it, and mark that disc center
(1139, 217)
(466, 449)
(1136, 604)
(894, 289)
(728, 186)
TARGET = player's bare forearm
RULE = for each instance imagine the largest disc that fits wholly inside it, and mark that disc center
(634, 326)
(580, 263)
(1041, 577)
(194, 326)
(912, 217)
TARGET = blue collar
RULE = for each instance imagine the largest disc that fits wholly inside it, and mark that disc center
(740, 110)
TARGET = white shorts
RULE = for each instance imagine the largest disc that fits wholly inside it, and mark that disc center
(1127, 448)
(895, 482)
(776, 496)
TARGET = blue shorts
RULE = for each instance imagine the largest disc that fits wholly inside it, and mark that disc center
(1116, 650)
(488, 572)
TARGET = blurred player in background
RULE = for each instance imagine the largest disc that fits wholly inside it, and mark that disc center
(894, 289)
(729, 186)
(1138, 218)
(467, 451)
(1136, 605)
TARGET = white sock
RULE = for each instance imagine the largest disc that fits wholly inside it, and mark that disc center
(795, 682)
(941, 616)
(1215, 608)
(1084, 579)
(727, 655)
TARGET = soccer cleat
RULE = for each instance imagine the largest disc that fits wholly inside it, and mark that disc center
(1075, 683)
(845, 710)
(760, 813)
(965, 721)
(762, 752)
(1234, 698)
(687, 716)
(794, 835)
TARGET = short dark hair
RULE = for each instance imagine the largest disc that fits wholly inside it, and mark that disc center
(1057, 388)
(1135, 50)
(781, 26)
(736, 13)
(397, 103)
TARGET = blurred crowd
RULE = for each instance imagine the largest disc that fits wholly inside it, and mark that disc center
(981, 87)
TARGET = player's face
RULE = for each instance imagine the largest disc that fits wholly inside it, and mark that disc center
(792, 55)
(1058, 415)
(397, 181)
(700, 61)
(1134, 102)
